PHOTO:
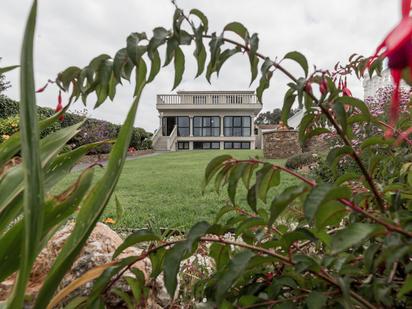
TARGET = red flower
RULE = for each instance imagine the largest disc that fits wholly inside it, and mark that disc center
(42, 88)
(323, 87)
(397, 47)
(345, 89)
(59, 106)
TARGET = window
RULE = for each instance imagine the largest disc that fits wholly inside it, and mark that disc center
(199, 99)
(206, 145)
(206, 126)
(237, 126)
(182, 145)
(237, 145)
(183, 126)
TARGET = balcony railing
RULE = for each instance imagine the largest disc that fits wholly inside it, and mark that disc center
(228, 98)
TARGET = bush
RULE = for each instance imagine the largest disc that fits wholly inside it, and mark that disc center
(300, 160)
(8, 126)
(93, 130)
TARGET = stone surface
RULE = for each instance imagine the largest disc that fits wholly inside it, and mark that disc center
(280, 144)
(98, 250)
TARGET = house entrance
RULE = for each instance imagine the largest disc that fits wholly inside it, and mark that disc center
(168, 125)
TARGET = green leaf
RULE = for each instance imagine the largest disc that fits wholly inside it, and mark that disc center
(171, 46)
(300, 59)
(213, 167)
(134, 50)
(287, 105)
(67, 76)
(249, 223)
(159, 37)
(112, 87)
(100, 283)
(304, 125)
(33, 175)
(234, 177)
(226, 54)
(202, 18)
(252, 197)
(124, 296)
(265, 79)
(253, 59)
(91, 208)
(237, 28)
(140, 76)
(135, 238)
(136, 287)
(247, 174)
(359, 104)
(316, 300)
(179, 66)
(155, 67)
(353, 235)
(406, 287)
(200, 51)
(215, 43)
(266, 178)
(221, 255)
(120, 59)
(157, 259)
(329, 214)
(341, 116)
(335, 155)
(375, 140)
(320, 194)
(180, 251)
(7, 69)
(298, 234)
(283, 200)
(236, 268)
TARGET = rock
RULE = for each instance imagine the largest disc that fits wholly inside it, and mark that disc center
(98, 250)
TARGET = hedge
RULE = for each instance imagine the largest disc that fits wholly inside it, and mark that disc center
(93, 130)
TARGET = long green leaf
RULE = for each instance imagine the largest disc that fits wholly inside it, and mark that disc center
(33, 175)
(7, 69)
(91, 207)
(135, 238)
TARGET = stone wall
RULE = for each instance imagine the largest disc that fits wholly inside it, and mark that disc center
(316, 144)
(280, 144)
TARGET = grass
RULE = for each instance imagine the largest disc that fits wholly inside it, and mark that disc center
(165, 190)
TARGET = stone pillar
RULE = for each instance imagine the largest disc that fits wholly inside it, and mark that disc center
(190, 145)
(222, 145)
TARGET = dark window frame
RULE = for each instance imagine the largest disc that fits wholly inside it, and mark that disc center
(234, 145)
(183, 145)
(184, 127)
(200, 145)
(202, 127)
(240, 127)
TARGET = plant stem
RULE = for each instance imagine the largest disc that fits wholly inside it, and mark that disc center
(325, 111)
(351, 205)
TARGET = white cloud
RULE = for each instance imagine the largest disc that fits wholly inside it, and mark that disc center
(73, 32)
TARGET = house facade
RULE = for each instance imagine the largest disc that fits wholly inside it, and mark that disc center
(206, 120)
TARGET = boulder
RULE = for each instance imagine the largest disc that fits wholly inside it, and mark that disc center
(98, 250)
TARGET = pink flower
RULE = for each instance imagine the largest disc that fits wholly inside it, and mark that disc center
(397, 47)
(59, 106)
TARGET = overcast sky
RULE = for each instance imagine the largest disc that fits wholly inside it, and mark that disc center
(73, 32)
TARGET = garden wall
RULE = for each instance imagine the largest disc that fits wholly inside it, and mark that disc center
(281, 144)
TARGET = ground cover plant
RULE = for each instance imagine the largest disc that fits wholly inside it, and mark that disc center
(352, 248)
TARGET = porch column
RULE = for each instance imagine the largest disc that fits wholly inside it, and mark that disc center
(190, 125)
(221, 126)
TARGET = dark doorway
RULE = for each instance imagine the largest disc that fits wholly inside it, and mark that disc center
(168, 125)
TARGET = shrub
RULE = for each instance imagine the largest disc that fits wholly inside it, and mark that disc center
(300, 160)
(8, 126)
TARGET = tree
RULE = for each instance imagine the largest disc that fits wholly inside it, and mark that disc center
(272, 117)
(4, 84)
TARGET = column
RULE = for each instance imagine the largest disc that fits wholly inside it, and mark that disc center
(190, 125)
(221, 126)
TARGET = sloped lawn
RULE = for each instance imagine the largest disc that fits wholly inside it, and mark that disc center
(165, 190)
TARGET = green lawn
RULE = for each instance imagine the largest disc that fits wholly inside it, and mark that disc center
(166, 189)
